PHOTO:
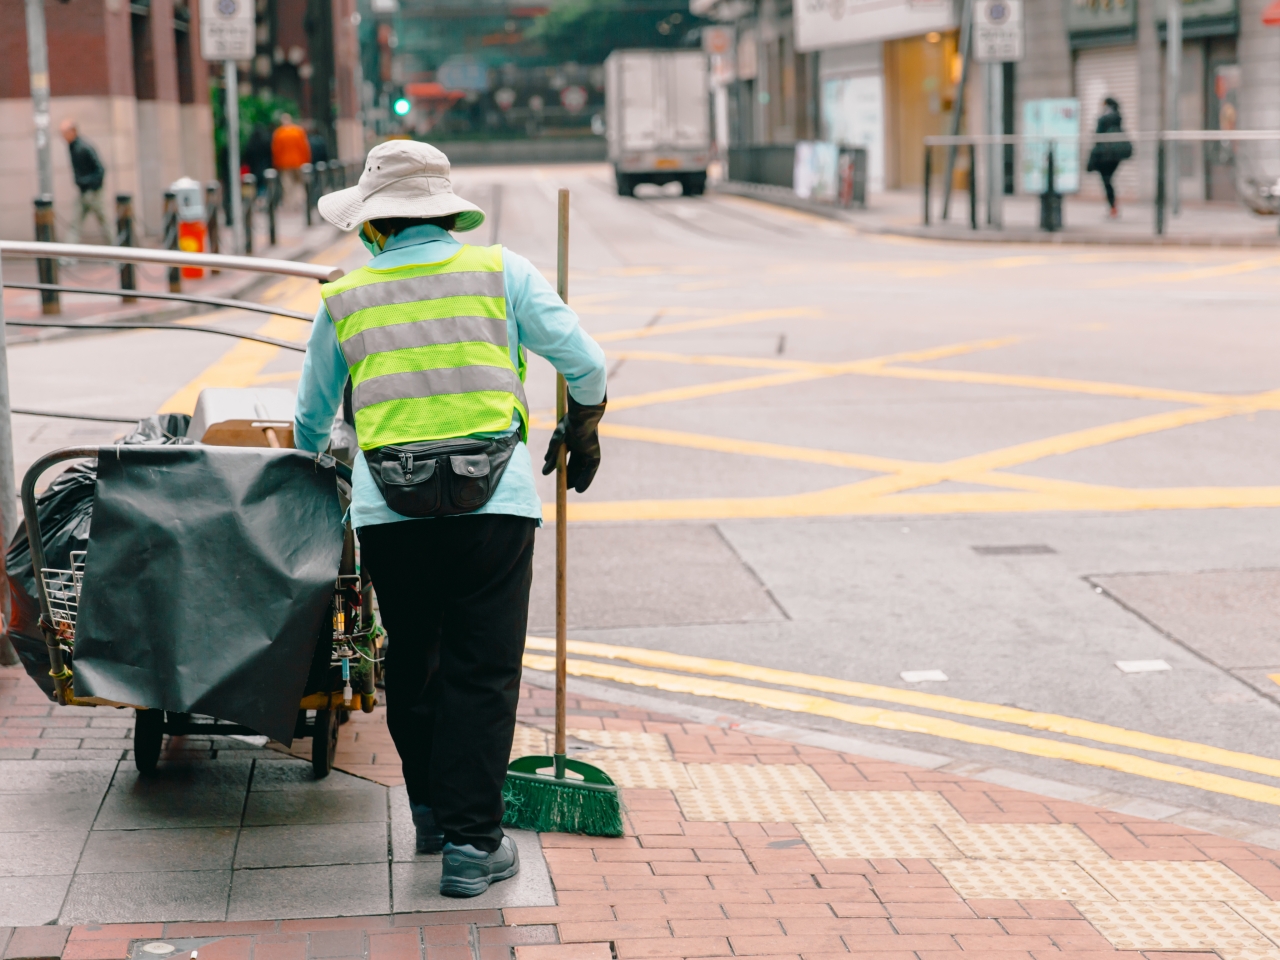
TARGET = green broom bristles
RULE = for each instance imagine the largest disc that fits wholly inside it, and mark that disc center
(551, 805)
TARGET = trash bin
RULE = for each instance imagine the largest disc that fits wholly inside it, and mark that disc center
(192, 231)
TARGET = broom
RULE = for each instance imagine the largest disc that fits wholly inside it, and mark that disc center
(539, 794)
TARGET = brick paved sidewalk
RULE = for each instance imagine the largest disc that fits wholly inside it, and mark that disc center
(739, 845)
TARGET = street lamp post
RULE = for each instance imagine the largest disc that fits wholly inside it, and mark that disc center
(38, 67)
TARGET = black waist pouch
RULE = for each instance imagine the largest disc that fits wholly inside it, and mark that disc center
(440, 478)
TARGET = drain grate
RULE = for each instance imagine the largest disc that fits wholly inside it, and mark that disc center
(1014, 550)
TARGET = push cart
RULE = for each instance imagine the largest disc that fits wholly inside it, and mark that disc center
(343, 674)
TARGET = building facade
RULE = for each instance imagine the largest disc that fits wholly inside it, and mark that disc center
(883, 74)
(130, 75)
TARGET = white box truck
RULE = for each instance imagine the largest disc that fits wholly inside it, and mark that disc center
(658, 118)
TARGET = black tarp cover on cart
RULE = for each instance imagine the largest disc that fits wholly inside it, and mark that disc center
(208, 573)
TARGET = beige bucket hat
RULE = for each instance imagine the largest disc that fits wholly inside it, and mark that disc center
(401, 178)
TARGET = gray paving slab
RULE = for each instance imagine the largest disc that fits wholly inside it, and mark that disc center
(367, 804)
(289, 773)
(416, 886)
(26, 812)
(147, 897)
(42, 853)
(31, 901)
(192, 794)
(55, 776)
(334, 891)
(404, 837)
(315, 844)
(159, 850)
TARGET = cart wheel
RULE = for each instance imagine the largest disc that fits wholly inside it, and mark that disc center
(148, 735)
(324, 742)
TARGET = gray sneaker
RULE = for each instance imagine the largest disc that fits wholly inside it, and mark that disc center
(430, 836)
(467, 872)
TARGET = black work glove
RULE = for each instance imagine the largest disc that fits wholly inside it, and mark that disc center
(578, 429)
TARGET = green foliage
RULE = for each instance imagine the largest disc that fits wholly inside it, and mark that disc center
(254, 110)
(587, 31)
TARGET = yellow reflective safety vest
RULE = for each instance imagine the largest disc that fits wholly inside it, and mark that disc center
(427, 348)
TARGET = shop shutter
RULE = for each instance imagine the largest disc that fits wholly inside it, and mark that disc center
(1109, 72)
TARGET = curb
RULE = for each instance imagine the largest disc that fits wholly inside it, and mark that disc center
(1194, 817)
(782, 197)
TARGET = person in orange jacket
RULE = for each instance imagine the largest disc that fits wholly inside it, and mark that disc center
(289, 151)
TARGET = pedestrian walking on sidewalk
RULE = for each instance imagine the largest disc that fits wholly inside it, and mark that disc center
(89, 173)
(433, 336)
(289, 151)
(1106, 156)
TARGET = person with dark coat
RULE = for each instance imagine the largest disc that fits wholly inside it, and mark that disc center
(256, 154)
(89, 173)
(1106, 155)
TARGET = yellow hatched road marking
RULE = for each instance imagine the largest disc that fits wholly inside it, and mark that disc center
(1050, 722)
(914, 723)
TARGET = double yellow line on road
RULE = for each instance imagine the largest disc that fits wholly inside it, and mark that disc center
(696, 676)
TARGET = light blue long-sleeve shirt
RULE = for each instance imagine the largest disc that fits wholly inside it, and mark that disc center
(536, 318)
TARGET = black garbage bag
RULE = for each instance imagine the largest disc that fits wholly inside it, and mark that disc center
(65, 510)
(208, 575)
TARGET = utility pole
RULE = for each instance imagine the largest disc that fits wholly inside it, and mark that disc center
(957, 108)
(1173, 90)
(38, 67)
(231, 103)
(993, 84)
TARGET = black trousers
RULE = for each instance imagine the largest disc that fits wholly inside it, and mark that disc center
(453, 593)
(1106, 171)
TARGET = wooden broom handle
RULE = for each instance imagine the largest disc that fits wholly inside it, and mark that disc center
(562, 494)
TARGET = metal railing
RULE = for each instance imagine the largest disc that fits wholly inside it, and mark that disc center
(51, 252)
(1261, 196)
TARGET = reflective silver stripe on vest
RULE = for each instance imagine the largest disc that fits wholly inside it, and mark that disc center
(476, 283)
(433, 383)
(423, 333)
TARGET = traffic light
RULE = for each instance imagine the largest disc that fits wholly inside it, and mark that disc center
(401, 107)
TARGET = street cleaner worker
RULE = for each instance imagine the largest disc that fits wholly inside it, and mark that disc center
(432, 334)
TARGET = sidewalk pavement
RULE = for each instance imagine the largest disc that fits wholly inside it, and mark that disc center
(295, 241)
(900, 213)
(736, 845)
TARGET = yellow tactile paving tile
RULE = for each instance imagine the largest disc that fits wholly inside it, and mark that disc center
(529, 741)
(886, 806)
(741, 776)
(1020, 880)
(1169, 925)
(1177, 880)
(1263, 915)
(1023, 841)
(640, 774)
(633, 744)
(843, 841)
(748, 806)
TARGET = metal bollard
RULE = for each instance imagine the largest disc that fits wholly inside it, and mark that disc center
(928, 175)
(272, 179)
(1160, 189)
(212, 200)
(322, 179)
(973, 189)
(47, 270)
(248, 191)
(308, 189)
(171, 238)
(124, 238)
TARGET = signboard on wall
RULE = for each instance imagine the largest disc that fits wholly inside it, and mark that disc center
(997, 31)
(820, 24)
(227, 30)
